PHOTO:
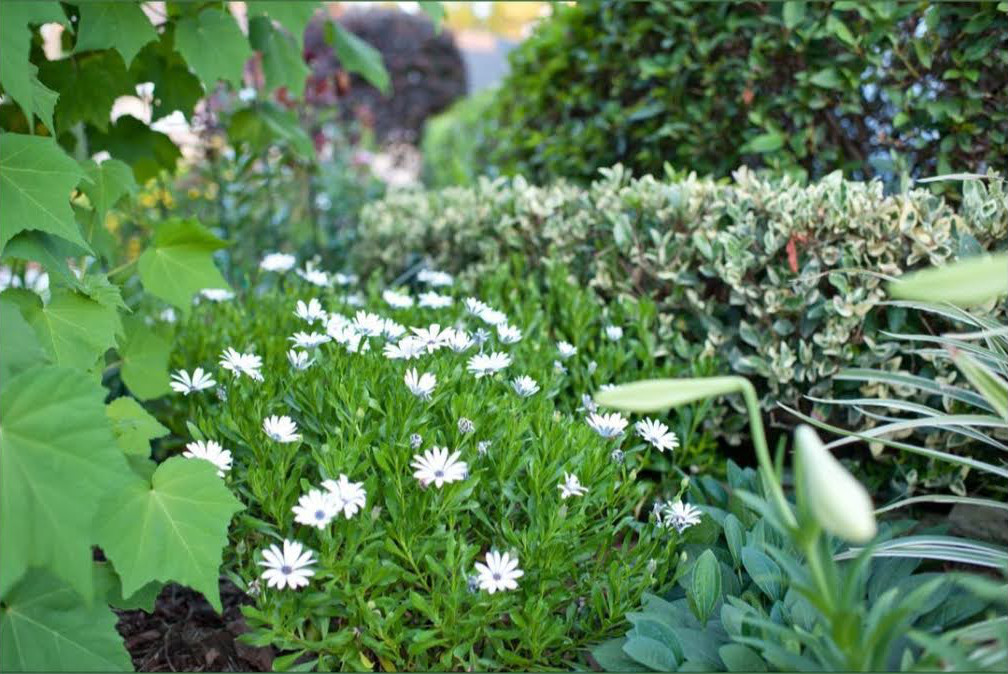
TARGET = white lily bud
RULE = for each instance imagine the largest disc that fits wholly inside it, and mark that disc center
(838, 501)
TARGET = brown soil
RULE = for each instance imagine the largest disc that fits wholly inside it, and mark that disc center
(184, 634)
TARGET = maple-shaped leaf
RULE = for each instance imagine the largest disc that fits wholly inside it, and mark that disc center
(119, 25)
(213, 45)
(179, 263)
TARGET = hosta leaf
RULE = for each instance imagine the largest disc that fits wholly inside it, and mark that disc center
(282, 62)
(110, 181)
(133, 426)
(294, 16)
(179, 262)
(19, 345)
(213, 45)
(359, 57)
(36, 177)
(652, 395)
(145, 361)
(58, 458)
(17, 17)
(121, 25)
(45, 627)
(73, 329)
(172, 529)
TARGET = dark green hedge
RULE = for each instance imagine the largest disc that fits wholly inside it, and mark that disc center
(808, 88)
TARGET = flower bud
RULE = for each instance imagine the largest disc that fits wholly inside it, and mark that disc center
(837, 500)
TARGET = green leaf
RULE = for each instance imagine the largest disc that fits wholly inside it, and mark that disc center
(175, 87)
(266, 123)
(43, 101)
(172, 529)
(45, 627)
(101, 290)
(110, 181)
(964, 283)
(357, 56)
(704, 591)
(145, 356)
(48, 250)
(766, 142)
(993, 388)
(828, 78)
(436, 12)
(19, 345)
(147, 151)
(294, 16)
(739, 658)
(133, 426)
(763, 571)
(651, 653)
(213, 45)
(58, 458)
(734, 536)
(88, 85)
(36, 177)
(793, 13)
(610, 656)
(652, 395)
(119, 25)
(179, 262)
(17, 74)
(282, 62)
(73, 329)
(109, 588)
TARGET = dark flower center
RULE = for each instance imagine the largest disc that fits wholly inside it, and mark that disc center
(438, 473)
(286, 570)
(319, 515)
(496, 576)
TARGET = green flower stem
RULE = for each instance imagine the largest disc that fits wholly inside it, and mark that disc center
(770, 481)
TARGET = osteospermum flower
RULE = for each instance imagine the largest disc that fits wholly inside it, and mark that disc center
(492, 316)
(433, 337)
(316, 277)
(433, 300)
(397, 300)
(299, 360)
(524, 386)
(480, 336)
(247, 364)
(607, 425)
(217, 294)
(290, 567)
(500, 572)
(278, 262)
(483, 446)
(392, 330)
(281, 429)
(559, 367)
(614, 332)
(209, 451)
(437, 466)
(571, 486)
(422, 386)
(465, 425)
(354, 299)
(348, 496)
(657, 434)
(475, 306)
(508, 334)
(368, 324)
(310, 312)
(408, 348)
(679, 516)
(435, 278)
(415, 440)
(483, 364)
(182, 383)
(566, 349)
(458, 341)
(309, 340)
(588, 405)
(344, 279)
(315, 509)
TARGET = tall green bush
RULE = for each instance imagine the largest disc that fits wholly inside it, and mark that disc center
(749, 269)
(806, 88)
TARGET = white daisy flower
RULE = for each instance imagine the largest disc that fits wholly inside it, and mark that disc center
(592, 366)
(354, 300)
(279, 262)
(466, 426)
(433, 337)
(483, 446)
(281, 429)
(435, 465)
(559, 367)
(420, 385)
(588, 405)
(217, 294)
(607, 425)
(397, 300)
(299, 360)
(315, 509)
(309, 340)
(459, 341)
(415, 440)
(247, 364)
(408, 348)
(657, 434)
(392, 330)
(566, 349)
(492, 316)
(483, 364)
(435, 278)
(168, 315)
(524, 386)
(315, 276)
(209, 451)
(500, 572)
(614, 332)
(617, 455)
(344, 279)
(182, 383)
(287, 568)
(571, 486)
(335, 322)
(475, 306)
(434, 300)
(368, 324)
(348, 496)
(481, 336)
(310, 312)
(679, 516)
(508, 334)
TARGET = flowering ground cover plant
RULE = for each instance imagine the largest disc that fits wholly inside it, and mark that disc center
(421, 490)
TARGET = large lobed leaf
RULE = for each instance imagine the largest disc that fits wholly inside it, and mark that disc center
(120, 25)
(179, 263)
(213, 45)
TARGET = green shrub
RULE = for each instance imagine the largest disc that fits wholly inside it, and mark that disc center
(807, 88)
(454, 142)
(748, 270)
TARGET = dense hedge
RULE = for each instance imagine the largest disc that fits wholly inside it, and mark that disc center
(739, 269)
(454, 142)
(804, 87)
